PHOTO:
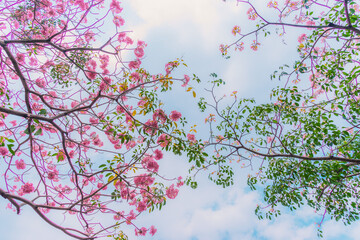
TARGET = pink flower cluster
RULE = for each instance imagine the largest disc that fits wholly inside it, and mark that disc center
(20, 164)
(143, 180)
(175, 116)
(172, 192)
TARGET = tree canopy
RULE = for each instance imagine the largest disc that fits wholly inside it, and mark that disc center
(304, 141)
(83, 128)
(83, 125)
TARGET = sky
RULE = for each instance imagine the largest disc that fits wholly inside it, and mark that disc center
(193, 30)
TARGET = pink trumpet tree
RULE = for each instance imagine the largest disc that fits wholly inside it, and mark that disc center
(82, 127)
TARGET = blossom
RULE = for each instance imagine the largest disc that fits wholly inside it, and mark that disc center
(170, 66)
(151, 126)
(163, 140)
(236, 30)
(191, 137)
(251, 14)
(118, 21)
(254, 45)
(33, 62)
(3, 151)
(175, 116)
(140, 232)
(187, 79)
(40, 82)
(27, 188)
(91, 74)
(139, 52)
(179, 183)
(152, 166)
(121, 36)
(141, 206)
(172, 192)
(302, 38)
(158, 154)
(272, 4)
(20, 57)
(159, 114)
(20, 164)
(223, 49)
(94, 120)
(143, 180)
(128, 40)
(134, 64)
(152, 230)
(89, 35)
(37, 106)
(53, 175)
(239, 46)
(115, 6)
(81, 4)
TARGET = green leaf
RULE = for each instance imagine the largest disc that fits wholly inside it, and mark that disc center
(38, 132)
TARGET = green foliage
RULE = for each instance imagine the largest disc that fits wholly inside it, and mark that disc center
(305, 141)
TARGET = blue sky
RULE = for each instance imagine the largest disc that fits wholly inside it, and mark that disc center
(193, 30)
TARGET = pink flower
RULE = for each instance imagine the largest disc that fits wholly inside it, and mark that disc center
(239, 46)
(252, 14)
(3, 151)
(40, 82)
(179, 183)
(170, 66)
(140, 232)
(20, 164)
(163, 140)
(115, 6)
(91, 75)
(159, 115)
(143, 180)
(121, 36)
(187, 79)
(33, 62)
(81, 4)
(152, 166)
(37, 106)
(302, 38)
(172, 192)
(141, 206)
(53, 94)
(236, 30)
(20, 57)
(118, 21)
(151, 126)
(120, 109)
(53, 175)
(139, 52)
(128, 41)
(272, 4)
(152, 230)
(93, 120)
(175, 116)
(158, 154)
(191, 137)
(134, 64)
(255, 45)
(89, 36)
(27, 188)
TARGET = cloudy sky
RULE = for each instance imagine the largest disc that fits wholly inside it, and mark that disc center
(193, 30)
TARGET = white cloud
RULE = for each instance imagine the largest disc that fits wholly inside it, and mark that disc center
(198, 22)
